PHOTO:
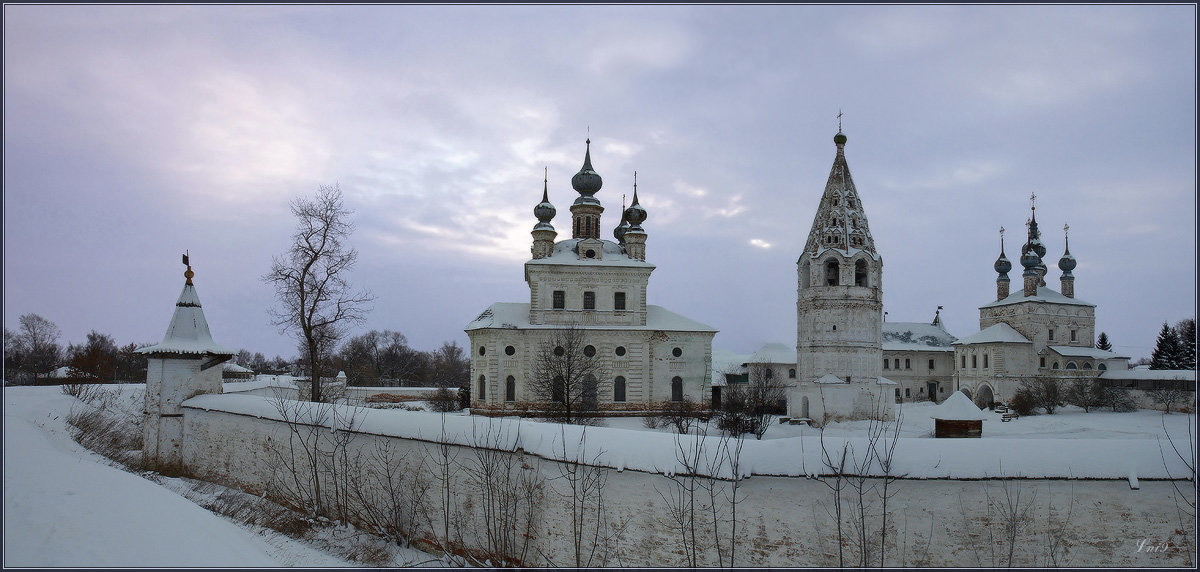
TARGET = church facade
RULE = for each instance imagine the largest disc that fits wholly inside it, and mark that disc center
(598, 287)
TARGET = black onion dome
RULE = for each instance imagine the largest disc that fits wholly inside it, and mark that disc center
(1002, 265)
(840, 138)
(587, 182)
(1030, 260)
(635, 214)
(1067, 263)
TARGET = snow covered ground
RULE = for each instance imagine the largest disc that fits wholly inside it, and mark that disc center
(65, 506)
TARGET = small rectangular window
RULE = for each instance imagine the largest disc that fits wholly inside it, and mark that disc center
(589, 300)
(885, 365)
(930, 365)
(560, 299)
(907, 392)
(619, 301)
(1052, 335)
(896, 364)
(1073, 334)
(907, 364)
(1042, 362)
(985, 361)
(974, 361)
(964, 361)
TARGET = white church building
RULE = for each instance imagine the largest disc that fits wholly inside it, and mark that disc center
(648, 353)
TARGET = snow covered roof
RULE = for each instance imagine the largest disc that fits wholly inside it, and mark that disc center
(188, 332)
(1150, 374)
(885, 381)
(515, 315)
(994, 333)
(829, 378)
(773, 353)
(1043, 295)
(611, 255)
(916, 336)
(957, 407)
(1086, 351)
(235, 368)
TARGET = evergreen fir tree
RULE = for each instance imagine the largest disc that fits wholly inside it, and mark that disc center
(1185, 331)
(1166, 350)
(1102, 342)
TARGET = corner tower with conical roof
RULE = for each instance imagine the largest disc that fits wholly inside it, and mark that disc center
(840, 294)
(181, 367)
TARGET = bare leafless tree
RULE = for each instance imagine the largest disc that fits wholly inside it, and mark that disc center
(316, 302)
(566, 374)
(749, 407)
(37, 343)
(1169, 394)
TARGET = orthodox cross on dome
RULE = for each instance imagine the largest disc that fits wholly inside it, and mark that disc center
(1066, 229)
(1033, 201)
(839, 120)
(1001, 239)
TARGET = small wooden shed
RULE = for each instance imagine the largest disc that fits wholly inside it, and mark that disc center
(957, 416)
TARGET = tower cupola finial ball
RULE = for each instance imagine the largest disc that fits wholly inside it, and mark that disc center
(188, 274)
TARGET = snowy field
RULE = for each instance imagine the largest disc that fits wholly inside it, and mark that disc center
(65, 506)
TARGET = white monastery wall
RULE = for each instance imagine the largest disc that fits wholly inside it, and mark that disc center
(782, 521)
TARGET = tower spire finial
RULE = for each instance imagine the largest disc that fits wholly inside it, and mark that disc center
(839, 120)
(188, 274)
(1067, 239)
(1002, 241)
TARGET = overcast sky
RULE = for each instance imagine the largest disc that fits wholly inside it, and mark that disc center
(132, 133)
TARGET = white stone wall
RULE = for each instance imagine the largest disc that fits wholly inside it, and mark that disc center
(782, 521)
(648, 365)
(169, 382)
(574, 280)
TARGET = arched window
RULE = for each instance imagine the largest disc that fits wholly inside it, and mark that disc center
(619, 389)
(1071, 365)
(677, 388)
(1055, 366)
(482, 387)
(1102, 367)
(510, 389)
(589, 393)
(792, 373)
(482, 350)
(556, 389)
(770, 373)
(1087, 365)
(860, 273)
(831, 272)
(885, 363)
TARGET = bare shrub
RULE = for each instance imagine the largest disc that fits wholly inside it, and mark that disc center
(109, 435)
(444, 400)
(85, 392)
(511, 494)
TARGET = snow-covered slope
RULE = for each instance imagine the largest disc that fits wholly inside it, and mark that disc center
(64, 506)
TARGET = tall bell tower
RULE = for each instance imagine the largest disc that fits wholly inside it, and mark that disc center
(839, 305)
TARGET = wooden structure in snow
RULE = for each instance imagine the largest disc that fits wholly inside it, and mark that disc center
(957, 416)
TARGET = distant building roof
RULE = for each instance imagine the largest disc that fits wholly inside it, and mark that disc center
(1000, 332)
(957, 407)
(1086, 351)
(515, 315)
(1150, 374)
(1043, 295)
(773, 353)
(231, 367)
(916, 336)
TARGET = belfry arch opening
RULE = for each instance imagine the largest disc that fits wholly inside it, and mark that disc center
(832, 270)
(860, 273)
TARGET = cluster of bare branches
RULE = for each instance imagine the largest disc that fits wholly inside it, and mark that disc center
(566, 374)
(702, 499)
(860, 483)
